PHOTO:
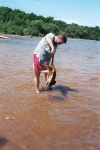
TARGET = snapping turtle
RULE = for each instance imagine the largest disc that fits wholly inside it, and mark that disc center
(51, 76)
(51, 73)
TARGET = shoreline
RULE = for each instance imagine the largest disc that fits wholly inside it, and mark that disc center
(5, 36)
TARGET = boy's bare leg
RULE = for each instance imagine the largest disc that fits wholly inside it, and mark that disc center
(36, 81)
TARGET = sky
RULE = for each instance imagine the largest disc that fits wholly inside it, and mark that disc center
(81, 12)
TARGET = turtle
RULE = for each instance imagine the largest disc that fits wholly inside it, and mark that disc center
(51, 76)
(51, 73)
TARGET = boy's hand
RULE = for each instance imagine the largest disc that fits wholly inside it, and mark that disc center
(47, 66)
(51, 64)
(52, 52)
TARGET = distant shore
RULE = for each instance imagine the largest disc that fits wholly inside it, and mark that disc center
(6, 36)
(3, 37)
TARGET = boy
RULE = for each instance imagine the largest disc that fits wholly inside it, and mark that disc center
(43, 53)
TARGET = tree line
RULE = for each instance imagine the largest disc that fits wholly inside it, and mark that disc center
(29, 24)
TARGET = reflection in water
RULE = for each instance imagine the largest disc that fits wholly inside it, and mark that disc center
(63, 90)
(6, 144)
(65, 117)
(3, 141)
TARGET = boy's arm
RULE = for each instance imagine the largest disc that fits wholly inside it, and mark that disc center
(51, 61)
(49, 41)
(47, 66)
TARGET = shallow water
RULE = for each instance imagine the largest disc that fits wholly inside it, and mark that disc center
(67, 116)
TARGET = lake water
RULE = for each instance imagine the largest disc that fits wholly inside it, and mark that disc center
(64, 118)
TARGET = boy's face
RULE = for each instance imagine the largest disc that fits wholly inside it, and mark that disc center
(60, 41)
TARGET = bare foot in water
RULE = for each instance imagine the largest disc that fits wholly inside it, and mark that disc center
(37, 92)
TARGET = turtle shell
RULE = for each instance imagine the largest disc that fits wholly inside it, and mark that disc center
(51, 76)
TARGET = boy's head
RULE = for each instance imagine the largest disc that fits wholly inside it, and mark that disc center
(61, 39)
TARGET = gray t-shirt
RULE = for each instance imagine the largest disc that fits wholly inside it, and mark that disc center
(43, 49)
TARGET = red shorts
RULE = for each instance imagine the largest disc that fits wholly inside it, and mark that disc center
(36, 65)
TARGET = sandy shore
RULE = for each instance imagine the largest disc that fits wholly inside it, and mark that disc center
(4, 37)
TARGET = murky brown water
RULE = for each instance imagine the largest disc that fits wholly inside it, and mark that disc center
(64, 118)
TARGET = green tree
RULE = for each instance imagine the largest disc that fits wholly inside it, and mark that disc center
(18, 22)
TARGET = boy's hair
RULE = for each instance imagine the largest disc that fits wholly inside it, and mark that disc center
(63, 37)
